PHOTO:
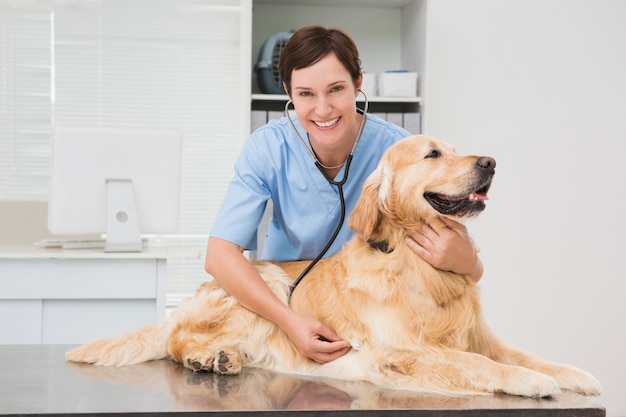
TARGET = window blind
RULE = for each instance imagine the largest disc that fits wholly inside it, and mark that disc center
(135, 63)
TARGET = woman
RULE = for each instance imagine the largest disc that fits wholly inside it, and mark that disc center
(321, 72)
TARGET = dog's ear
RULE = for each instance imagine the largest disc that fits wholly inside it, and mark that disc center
(366, 216)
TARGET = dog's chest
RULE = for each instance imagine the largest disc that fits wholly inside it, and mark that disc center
(389, 326)
(400, 318)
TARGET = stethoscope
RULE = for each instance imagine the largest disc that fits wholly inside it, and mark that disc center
(339, 184)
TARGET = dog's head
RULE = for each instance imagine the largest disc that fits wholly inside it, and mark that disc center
(418, 179)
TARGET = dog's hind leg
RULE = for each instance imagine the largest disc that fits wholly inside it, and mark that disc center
(147, 343)
(200, 352)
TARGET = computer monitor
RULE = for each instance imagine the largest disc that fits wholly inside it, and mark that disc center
(120, 183)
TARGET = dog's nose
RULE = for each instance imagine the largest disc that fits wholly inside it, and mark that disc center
(487, 164)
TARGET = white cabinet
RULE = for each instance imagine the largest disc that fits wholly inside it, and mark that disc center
(55, 296)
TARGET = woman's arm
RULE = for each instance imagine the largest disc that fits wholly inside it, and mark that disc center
(226, 263)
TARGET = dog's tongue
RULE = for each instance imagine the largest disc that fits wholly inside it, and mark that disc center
(471, 197)
(478, 197)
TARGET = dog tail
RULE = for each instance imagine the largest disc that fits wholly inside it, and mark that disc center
(148, 343)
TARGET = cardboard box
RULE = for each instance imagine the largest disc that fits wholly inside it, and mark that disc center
(397, 84)
(369, 84)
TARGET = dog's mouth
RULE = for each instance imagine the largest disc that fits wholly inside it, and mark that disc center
(466, 204)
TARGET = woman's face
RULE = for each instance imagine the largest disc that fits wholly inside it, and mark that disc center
(324, 98)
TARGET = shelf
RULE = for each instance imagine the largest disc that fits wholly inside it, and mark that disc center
(334, 3)
(284, 97)
(276, 102)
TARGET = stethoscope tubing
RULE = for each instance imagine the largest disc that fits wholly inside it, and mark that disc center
(339, 184)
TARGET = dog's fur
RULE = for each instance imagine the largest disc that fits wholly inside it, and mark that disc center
(411, 326)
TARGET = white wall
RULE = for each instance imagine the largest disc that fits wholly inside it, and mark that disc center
(540, 85)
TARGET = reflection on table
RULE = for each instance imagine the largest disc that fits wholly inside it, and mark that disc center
(37, 379)
(258, 389)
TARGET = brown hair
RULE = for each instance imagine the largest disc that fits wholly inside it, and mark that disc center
(310, 44)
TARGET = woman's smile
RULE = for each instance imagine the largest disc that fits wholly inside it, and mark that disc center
(328, 123)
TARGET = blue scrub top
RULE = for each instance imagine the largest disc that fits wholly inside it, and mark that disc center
(306, 209)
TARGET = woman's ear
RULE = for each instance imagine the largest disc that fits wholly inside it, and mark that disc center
(359, 81)
(286, 89)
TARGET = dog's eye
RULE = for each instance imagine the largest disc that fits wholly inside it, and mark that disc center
(434, 154)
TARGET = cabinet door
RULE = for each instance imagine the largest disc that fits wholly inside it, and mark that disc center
(20, 321)
(81, 321)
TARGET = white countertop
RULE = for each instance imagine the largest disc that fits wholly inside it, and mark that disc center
(150, 252)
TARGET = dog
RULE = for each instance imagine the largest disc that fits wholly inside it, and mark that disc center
(411, 326)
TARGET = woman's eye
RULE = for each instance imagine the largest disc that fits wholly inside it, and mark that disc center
(336, 89)
(433, 154)
(305, 94)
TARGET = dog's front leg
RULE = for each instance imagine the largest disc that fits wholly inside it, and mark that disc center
(567, 376)
(452, 371)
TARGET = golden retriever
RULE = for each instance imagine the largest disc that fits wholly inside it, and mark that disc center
(411, 326)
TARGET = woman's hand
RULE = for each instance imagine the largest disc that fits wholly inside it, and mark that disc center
(447, 246)
(225, 262)
(313, 339)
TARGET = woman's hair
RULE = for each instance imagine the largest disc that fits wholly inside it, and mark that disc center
(310, 44)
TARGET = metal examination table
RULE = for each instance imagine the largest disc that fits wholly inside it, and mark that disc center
(36, 380)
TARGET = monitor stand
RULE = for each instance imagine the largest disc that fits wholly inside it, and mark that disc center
(122, 223)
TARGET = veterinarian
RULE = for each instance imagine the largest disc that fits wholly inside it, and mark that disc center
(309, 166)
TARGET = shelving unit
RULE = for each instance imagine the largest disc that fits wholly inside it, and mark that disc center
(389, 35)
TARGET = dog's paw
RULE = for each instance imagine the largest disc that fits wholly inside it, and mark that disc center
(577, 380)
(527, 383)
(199, 362)
(227, 362)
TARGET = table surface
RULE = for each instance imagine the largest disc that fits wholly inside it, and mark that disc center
(37, 380)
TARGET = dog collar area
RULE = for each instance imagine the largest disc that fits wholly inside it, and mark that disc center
(381, 245)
